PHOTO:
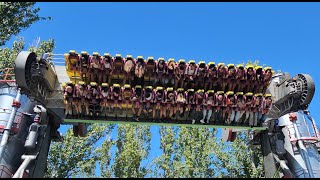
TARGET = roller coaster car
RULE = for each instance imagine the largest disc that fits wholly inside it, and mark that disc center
(150, 65)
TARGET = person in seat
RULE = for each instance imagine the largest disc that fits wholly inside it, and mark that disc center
(180, 73)
(180, 101)
(169, 102)
(129, 68)
(190, 103)
(201, 75)
(258, 83)
(84, 66)
(190, 75)
(266, 107)
(211, 77)
(150, 72)
(116, 98)
(161, 72)
(170, 77)
(240, 78)
(158, 101)
(231, 77)
(139, 71)
(137, 101)
(222, 72)
(106, 68)
(73, 60)
(208, 106)
(118, 72)
(250, 102)
(231, 104)
(95, 67)
(266, 78)
(241, 105)
(94, 98)
(81, 94)
(68, 98)
(105, 96)
(220, 103)
(148, 98)
(257, 108)
(199, 99)
(127, 96)
(250, 75)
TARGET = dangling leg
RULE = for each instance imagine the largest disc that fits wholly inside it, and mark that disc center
(204, 112)
(232, 116)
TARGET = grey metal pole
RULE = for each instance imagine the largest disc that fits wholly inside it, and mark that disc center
(7, 130)
(23, 166)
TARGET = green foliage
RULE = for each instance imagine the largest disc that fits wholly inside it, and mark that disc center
(76, 156)
(16, 16)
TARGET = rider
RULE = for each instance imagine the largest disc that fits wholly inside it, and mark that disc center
(137, 101)
(126, 93)
(68, 97)
(266, 107)
(150, 71)
(199, 99)
(250, 101)
(116, 98)
(170, 77)
(190, 102)
(73, 59)
(84, 66)
(169, 102)
(118, 72)
(211, 77)
(158, 101)
(222, 72)
(93, 98)
(104, 96)
(258, 83)
(106, 68)
(95, 67)
(220, 103)
(250, 78)
(231, 104)
(81, 94)
(179, 73)
(161, 71)
(240, 109)
(190, 75)
(267, 78)
(208, 106)
(180, 101)
(257, 108)
(148, 98)
(201, 75)
(231, 76)
(240, 78)
(139, 71)
(129, 68)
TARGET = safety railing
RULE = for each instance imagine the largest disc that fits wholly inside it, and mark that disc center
(309, 136)
(7, 75)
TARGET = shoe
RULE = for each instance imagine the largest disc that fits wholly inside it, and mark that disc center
(202, 121)
(137, 119)
(193, 121)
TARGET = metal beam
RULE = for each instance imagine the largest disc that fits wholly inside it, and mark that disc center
(161, 124)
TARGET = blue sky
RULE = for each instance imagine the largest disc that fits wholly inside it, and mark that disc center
(284, 36)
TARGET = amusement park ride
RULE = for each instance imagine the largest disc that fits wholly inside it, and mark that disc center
(37, 96)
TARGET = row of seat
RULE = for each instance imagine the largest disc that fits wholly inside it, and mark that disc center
(119, 70)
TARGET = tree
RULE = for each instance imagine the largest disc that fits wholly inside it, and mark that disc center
(16, 16)
(133, 146)
(76, 156)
